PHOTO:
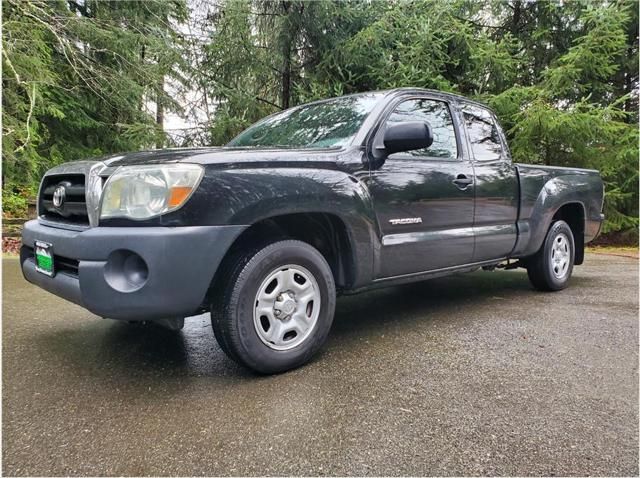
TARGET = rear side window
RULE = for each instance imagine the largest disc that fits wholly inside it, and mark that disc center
(437, 114)
(483, 133)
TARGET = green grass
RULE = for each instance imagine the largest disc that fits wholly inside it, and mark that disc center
(617, 250)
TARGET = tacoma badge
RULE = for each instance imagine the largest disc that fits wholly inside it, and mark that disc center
(406, 220)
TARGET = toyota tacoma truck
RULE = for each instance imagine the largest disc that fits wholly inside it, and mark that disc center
(332, 197)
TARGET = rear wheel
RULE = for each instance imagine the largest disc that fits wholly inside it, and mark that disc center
(551, 267)
(276, 309)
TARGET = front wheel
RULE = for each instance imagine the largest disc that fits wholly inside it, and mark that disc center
(551, 267)
(277, 307)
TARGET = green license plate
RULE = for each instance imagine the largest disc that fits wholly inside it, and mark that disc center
(44, 258)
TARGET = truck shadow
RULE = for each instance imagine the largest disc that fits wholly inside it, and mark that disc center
(105, 346)
(422, 300)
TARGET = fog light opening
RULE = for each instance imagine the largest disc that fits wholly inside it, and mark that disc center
(126, 271)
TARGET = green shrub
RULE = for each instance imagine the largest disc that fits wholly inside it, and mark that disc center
(15, 201)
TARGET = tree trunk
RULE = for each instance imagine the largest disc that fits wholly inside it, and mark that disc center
(160, 113)
(631, 79)
(286, 83)
(515, 20)
(286, 58)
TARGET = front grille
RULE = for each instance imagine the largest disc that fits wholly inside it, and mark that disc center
(64, 264)
(73, 209)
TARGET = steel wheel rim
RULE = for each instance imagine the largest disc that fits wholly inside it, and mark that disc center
(286, 307)
(560, 256)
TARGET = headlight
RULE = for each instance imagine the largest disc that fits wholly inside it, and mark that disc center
(143, 192)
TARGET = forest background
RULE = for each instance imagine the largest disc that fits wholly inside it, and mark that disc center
(84, 78)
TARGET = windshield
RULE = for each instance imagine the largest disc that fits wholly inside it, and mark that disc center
(321, 125)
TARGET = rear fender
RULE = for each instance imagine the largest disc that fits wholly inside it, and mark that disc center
(555, 193)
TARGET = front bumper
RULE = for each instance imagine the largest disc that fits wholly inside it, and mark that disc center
(180, 265)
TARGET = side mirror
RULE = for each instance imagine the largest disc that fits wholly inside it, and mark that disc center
(407, 136)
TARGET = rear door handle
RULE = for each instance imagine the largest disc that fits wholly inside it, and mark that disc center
(462, 181)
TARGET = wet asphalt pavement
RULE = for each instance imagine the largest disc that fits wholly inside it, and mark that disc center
(467, 375)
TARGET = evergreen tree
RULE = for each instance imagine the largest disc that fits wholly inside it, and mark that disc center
(78, 78)
(83, 78)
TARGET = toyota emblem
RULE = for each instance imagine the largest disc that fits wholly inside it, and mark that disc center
(59, 195)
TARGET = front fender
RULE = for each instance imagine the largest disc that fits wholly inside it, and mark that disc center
(248, 196)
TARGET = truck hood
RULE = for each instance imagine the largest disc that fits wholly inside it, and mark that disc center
(223, 156)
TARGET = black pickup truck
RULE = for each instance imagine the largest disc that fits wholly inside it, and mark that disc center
(336, 196)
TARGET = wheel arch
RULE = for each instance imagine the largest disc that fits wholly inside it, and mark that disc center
(573, 213)
(560, 198)
(332, 235)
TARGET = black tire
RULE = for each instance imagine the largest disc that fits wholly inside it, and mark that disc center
(542, 271)
(233, 306)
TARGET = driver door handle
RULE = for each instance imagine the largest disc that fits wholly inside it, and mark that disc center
(462, 182)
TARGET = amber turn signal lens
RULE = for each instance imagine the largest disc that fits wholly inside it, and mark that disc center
(178, 195)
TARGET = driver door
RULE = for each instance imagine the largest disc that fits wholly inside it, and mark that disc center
(424, 199)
